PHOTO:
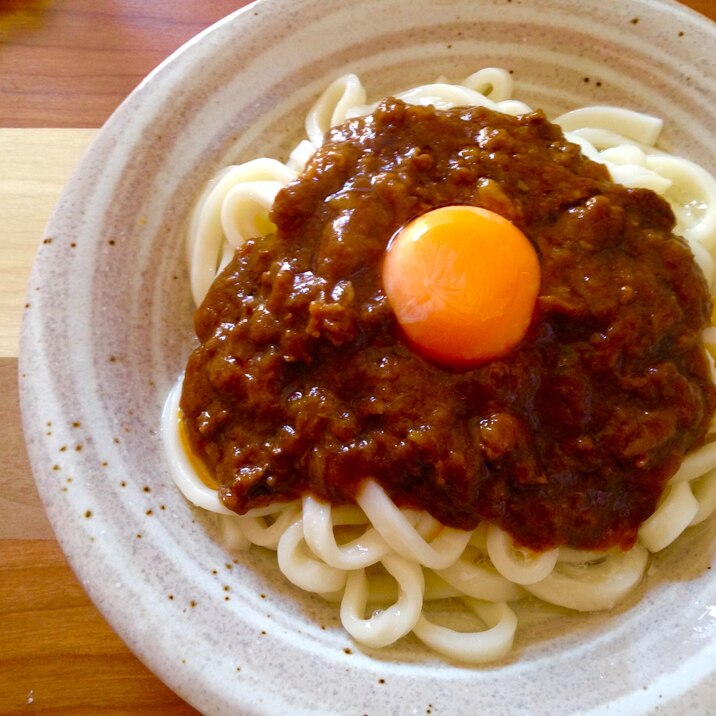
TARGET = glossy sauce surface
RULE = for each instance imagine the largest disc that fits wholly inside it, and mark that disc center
(304, 382)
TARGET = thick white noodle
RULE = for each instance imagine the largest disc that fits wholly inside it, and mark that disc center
(593, 587)
(245, 208)
(402, 537)
(673, 515)
(386, 626)
(383, 589)
(704, 490)
(267, 533)
(425, 524)
(473, 575)
(603, 139)
(692, 196)
(705, 262)
(377, 553)
(445, 96)
(492, 82)
(300, 155)
(332, 107)
(695, 464)
(513, 107)
(302, 568)
(361, 552)
(633, 125)
(206, 238)
(180, 467)
(521, 566)
(231, 535)
(477, 647)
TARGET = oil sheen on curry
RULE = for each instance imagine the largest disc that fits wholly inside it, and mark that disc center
(305, 381)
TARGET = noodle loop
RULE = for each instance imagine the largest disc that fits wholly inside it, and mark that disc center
(385, 626)
(302, 568)
(520, 566)
(318, 525)
(404, 539)
(474, 647)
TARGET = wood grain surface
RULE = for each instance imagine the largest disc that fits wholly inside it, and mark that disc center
(70, 63)
(64, 67)
(34, 166)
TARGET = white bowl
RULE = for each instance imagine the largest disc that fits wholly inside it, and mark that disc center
(110, 324)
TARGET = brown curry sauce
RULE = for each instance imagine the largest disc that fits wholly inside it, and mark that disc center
(303, 382)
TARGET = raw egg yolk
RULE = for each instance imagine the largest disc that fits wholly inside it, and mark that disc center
(462, 282)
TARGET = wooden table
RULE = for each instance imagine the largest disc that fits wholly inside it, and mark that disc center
(64, 67)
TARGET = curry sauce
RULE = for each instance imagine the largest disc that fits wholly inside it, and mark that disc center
(303, 382)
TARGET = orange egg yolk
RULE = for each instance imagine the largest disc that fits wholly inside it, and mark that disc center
(462, 282)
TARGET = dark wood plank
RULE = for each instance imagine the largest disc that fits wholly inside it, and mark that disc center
(59, 656)
(70, 63)
(15, 480)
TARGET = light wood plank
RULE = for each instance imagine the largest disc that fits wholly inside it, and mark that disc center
(35, 164)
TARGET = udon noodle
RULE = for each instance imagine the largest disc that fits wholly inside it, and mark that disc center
(374, 554)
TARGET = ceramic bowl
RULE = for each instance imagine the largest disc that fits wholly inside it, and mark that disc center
(109, 326)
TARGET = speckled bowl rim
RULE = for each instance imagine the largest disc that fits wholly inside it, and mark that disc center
(92, 380)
